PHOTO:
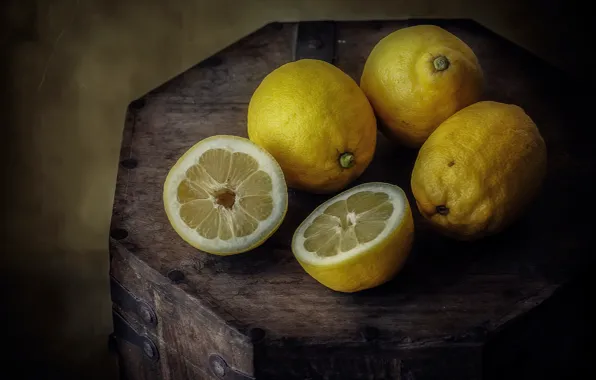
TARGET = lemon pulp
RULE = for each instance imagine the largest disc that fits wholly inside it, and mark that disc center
(225, 195)
(348, 223)
(358, 239)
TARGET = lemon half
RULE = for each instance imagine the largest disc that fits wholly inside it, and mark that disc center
(225, 195)
(358, 239)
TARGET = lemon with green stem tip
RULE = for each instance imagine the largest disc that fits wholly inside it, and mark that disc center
(417, 77)
(316, 122)
(479, 170)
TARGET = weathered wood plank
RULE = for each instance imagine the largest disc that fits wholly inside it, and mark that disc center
(339, 363)
(232, 75)
(188, 327)
(253, 286)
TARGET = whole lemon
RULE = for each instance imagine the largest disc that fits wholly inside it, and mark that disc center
(417, 77)
(479, 170)
(316, 122)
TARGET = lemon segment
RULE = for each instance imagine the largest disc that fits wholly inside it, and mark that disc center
(225, 195)
(358, 239)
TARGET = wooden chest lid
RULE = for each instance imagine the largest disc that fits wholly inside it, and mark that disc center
(448, 291)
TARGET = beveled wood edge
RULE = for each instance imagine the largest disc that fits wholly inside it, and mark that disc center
(517, 310)
(212, 316)
(164, 349)
(202, 309)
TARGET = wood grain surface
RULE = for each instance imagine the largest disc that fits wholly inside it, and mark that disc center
(450, 296)
(188, 330)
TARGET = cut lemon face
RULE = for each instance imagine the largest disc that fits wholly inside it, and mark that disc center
(225, 195)
(358, 239)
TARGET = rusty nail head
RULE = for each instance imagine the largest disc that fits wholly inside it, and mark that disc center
(176, 276)
(212, 61)
(148, 349)
(119, 233)
(315, 44)
(257, 334)
(218, 365)
(129, 163)
(146, 314)
(137, 104)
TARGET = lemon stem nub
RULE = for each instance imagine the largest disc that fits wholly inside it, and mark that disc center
(442, 210)
(346, 160)
(441, 63)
